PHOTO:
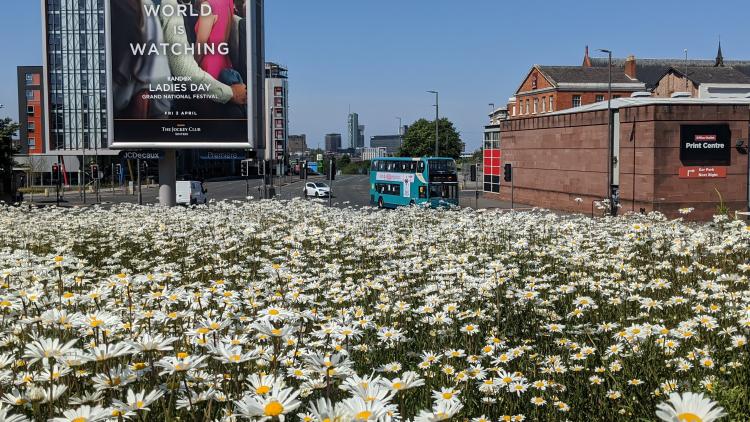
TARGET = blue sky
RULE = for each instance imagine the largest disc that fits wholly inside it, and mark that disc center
(380, 56)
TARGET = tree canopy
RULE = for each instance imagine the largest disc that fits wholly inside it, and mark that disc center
(419, 139)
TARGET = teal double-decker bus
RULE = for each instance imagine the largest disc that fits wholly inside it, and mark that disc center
(397, 182)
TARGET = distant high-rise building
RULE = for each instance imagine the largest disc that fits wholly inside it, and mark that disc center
(353, 130)
(297, 144)
(333, 142)
(392, 143)
(361, 137)
(277, 91)
(31, 110)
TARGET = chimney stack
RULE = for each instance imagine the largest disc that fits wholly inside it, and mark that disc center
(586, 58)
(630, 68)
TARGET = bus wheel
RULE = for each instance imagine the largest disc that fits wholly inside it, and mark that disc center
(412, 203)
(380, 202)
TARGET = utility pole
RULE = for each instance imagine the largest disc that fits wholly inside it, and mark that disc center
(610, 170)
(686, 70)
(437, 122)
(140, 191)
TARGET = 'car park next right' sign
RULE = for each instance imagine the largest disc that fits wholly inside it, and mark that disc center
(705, 145)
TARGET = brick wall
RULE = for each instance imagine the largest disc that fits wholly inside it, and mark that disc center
(560, 158)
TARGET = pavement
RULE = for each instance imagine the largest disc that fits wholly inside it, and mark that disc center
(348, 190)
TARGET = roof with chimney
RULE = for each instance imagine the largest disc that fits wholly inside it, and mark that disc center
(650, 71)
(578, 74)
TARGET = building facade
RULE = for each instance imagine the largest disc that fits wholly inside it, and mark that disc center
(31, 110)
(297, 144)
(371, 153)
(704, 82)
(356, 132)
(391, 143)
(75, 81)
(333, 142)
(667, 155)
(277, 107)
(548, 89)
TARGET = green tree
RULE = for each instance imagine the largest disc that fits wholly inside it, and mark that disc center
(419, 140)
(8, 128)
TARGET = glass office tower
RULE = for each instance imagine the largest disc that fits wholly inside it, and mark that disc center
(75, 71)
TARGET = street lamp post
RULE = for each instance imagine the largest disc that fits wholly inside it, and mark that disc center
(437, 122)
(610, 175)
(686, 70)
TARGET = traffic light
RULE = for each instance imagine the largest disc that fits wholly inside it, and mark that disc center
(303, 170)
(245, 168)
(333, 168)
(55, 173)
(508, 173)
(473, 172)
(262, 167)
(94, 171)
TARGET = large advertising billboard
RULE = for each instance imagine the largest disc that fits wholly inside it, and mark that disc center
(179, 73)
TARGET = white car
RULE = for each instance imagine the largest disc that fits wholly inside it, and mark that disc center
(316, 190)
(191, 193)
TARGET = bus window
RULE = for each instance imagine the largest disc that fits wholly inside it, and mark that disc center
(436, 191)
(374, 165)
(421, 167)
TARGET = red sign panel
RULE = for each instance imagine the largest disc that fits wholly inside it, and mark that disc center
(703, 172)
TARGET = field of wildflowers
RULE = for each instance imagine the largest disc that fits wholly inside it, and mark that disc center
(291, 310)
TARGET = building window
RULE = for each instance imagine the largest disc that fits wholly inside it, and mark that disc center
(544, 104)
(32, 142)
(528, 102)
(29, 95)
(599, 98)
(514, 110)
(279, 124)
(536, 105)
(278, 91)
(614, 97)
(551, 104)
(576, 101)
(30, 110)
(278, 102)
(29, 79)
(31, 126)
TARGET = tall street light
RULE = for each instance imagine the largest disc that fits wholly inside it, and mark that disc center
(437, 122)
(613, 206)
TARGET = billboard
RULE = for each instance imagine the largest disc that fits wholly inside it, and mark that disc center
(705, 145)
(181, 73)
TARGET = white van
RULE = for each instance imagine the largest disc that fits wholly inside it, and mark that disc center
(191, 193)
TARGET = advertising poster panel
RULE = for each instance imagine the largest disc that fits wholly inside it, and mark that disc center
(705, 145)
(179, 73)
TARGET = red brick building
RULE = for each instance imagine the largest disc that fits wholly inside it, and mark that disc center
(560, 161)
(548, 89)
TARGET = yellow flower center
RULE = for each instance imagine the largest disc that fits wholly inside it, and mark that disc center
(96, 322)
(363, 415)
(235, 358)
(273, 312)
(398, 386)
(203, 330)
(139, 404)
(273, 408)
(263, 389)
(79, 419)
(448, 395)
(688, 417)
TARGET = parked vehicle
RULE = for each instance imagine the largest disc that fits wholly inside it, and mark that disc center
(191, 192)
(316, 189)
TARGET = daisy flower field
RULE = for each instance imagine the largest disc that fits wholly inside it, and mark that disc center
(276, 311)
